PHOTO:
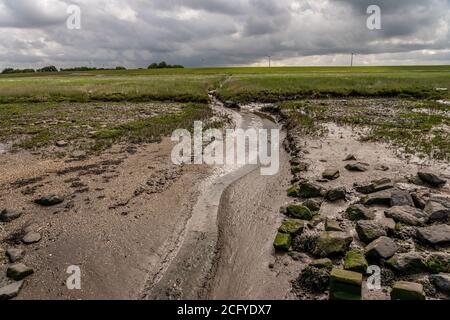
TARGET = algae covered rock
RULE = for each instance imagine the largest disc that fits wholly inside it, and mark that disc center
(310, 190)
(292, 226)
(332, 243)
(299, 212)
(282, 242)
(369, 231)
(356, 261)
(407, 263)
(322, 263)
(438, 263)
(314, 279)
(345, 285)
(359, 212)
(404, 290)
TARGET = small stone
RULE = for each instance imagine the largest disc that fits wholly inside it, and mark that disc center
(350, 157)
(18, 271)
(322, 264)
(374, 186)
(403, 290)
(407, 263)
(292, 226)
(10, 291)
(357, 167)
(313, 204)
(8, 215)
(332, 225)
(388, 223)
(382, 167)
(419, 202)
(31, 237)
(382, 198)
(360, 212)
(15, 255)
(293, 192)
(79, 154)
(382, 248)
(407, 215)
(369, 231)
(432, 179)
(401, 198)
(345, 285)
(332, 243)
(356, 261)
(299, 212)
(441, 282)
(61, 144)
(336, 194)
(50, 200)
(282, 242)
(310, 190)
(437, 212)
(331, 174)
(434, 235)
(438, 262)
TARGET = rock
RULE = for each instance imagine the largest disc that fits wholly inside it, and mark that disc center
(401, 198)
(332, 225)
(299, 212)
(331, 243)
(345, 285)
(438, 262)
(419, 202)
(382, 167)
(437, 212)
(298, 256)
(331, 174)
(382, 198)
(388, 224)
(8, 215)
(313, 205)
(322, 263)
(50, 200)
(79, 155)
(407, 215)
(282, 242)
(403, 290)
(313, 279)
(382, 248)
(292, 226)
(10, 291)
(336, 194)
(18, 271)
(31, 237)
(231, 104)
(357, 167)
(360, 212)
(356, 261)
(369, 231)
(61, 144)
(310, 190)
(434, 235)
(301, 167)
(293, 192)
(350, 157)
(431, 178)
(15, 255)
(441, 282)
(407, 263)
(374, 186)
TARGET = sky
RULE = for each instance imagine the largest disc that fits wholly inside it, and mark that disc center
(200, 33)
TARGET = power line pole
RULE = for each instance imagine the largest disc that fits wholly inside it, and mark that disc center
(351, 63)
(270, 62)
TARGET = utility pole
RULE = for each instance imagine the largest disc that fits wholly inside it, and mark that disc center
(351, 63)
(270, 61)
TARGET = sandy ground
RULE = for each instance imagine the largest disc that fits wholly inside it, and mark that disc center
(121, 211)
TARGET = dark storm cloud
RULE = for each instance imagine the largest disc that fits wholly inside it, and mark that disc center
(219, 32)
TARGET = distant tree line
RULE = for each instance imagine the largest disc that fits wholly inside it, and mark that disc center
(44, 69)
(164, 65)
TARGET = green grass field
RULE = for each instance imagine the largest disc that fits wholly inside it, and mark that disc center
(241, 84)
(38, 109)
